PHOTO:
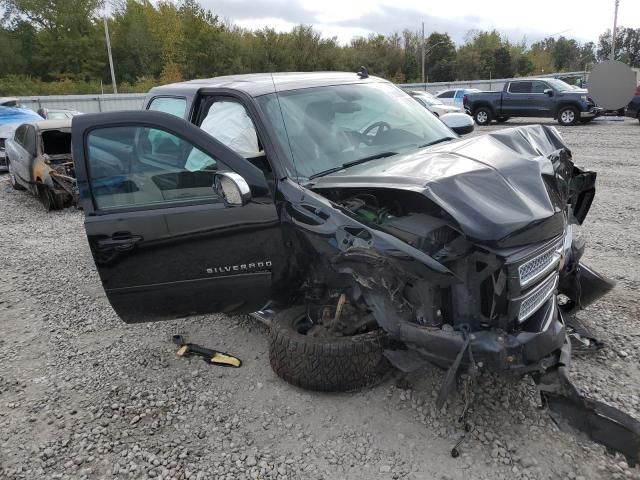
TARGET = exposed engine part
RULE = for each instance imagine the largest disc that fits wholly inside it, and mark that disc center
(425, 230)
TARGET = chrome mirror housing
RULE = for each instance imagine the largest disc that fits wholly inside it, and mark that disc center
(461, 123)
(233, 189)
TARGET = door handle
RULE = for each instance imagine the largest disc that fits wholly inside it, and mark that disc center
(120, 243)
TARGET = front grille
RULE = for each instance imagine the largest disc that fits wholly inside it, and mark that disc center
(533, 269)
(537, 297)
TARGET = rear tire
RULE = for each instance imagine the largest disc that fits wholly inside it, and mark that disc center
(328, 364)
(12, 178)
(483, 116)
(568, 116)
(46, 198)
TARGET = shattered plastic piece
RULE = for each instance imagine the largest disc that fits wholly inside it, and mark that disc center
(587, 418)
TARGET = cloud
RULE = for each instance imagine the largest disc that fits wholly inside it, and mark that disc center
(349, 18)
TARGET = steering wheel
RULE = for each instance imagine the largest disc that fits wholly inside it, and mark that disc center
(381, 126)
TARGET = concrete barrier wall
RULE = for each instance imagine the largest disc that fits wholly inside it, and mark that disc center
(87, 103)
(134, 101)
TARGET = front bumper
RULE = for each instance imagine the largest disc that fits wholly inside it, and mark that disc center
(592, 112)
(517, 352)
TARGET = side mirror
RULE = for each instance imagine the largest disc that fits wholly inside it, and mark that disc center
(233, 189)
(548, 91)
(461, 123)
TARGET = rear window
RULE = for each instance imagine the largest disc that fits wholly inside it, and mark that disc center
(520, 87)
(173, 105)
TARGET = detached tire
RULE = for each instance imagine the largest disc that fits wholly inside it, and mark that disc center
(483, 116)
(334, 364)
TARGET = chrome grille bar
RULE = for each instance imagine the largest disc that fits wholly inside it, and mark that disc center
(538, 266)
(537, 297)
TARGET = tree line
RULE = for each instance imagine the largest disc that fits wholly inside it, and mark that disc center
(58, 46)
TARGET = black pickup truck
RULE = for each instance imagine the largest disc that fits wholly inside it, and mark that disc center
(355, 223)
(633, 109)
(533, 97)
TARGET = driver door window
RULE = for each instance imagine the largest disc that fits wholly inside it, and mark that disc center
(142, 167)
(538, 87)
(30, 141)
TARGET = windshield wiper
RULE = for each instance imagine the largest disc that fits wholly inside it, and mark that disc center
(440, 140)
(352, 163)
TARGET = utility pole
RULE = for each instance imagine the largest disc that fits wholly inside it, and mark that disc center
(422, 52)
(113, 73)
(613, 33)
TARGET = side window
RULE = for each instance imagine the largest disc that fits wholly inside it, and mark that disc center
(228, 122)
(447, 94)
(30, 140)
(172, 105)
(520, 87)
(19, 135)
(140, 166)
(538, 87)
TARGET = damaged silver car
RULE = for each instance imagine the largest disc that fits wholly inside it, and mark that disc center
(357, 224)
(39, 160)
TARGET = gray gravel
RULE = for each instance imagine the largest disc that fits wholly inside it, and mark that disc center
(83, 395)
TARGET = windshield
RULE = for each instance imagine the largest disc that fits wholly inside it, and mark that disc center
(325, 128)
(559, 85)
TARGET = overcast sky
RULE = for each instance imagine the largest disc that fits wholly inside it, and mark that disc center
(533, 20)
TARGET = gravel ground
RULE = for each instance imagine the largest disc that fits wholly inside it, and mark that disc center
(83, 395)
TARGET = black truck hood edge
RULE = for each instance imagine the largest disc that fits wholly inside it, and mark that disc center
(495, 185)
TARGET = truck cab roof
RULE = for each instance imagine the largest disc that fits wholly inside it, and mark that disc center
(257, 84)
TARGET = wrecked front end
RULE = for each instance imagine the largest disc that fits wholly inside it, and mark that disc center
(465, 256)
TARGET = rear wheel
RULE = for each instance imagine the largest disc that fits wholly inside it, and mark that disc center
(568, 116)
(482, 116)
(12, 178)
(324, 363)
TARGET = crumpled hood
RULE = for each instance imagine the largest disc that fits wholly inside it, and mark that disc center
(494, 185)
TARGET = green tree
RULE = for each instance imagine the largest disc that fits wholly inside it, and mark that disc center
(136, 51)
(440, 63)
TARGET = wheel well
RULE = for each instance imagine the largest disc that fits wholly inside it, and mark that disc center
(486, 105)
(564, 105)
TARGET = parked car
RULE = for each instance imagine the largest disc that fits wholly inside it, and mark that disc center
(57, 113)
(355, 223)
(533, 97)
(633, 109)
(454, 96)
(10, 118)
(39, 160)
(433, 104)
(11, 102)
